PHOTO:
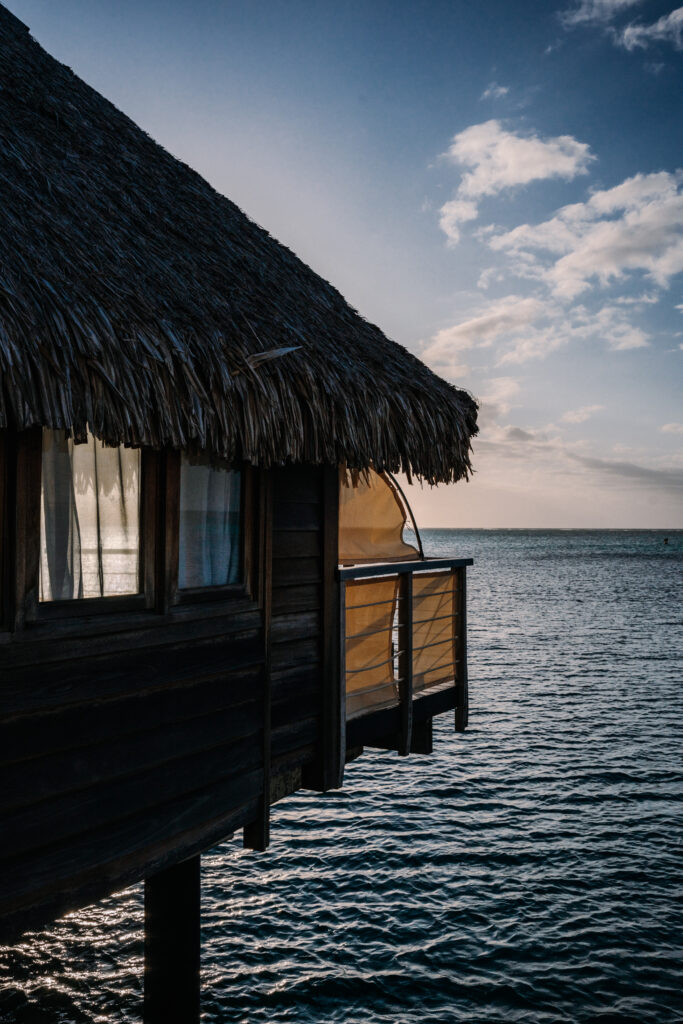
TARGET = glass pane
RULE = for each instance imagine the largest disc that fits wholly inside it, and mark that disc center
(210, 523)
(89, 519)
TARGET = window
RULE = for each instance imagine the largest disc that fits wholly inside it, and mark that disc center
(89, 519)
(210, 539)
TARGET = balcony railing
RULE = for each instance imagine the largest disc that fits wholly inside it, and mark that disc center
(403, 645)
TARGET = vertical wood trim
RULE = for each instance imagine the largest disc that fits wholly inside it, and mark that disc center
(27, 525)
(250, 535)
(168, 518)
(337, 780)
(172, 944)
(332, 748)
(149, 512)
(405, 666)
(257, 832)
(462, 686)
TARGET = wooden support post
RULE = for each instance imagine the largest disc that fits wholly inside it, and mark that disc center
(172, 947)
(322, 773)
(461, 686)
(333, 739)
(257, 832)
(341, 692)
(405, 660)
(421, 741)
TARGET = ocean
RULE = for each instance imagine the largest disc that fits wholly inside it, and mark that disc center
(530, 869)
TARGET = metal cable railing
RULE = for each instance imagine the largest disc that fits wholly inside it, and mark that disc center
(403, 636)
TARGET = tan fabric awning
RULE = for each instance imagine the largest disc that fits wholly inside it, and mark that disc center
(371, 521)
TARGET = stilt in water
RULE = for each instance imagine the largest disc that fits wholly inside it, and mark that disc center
(172, 945)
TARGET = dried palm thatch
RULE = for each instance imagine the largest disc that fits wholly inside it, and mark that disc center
(137, 300)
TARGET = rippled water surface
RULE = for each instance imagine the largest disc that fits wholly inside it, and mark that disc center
(529, 870)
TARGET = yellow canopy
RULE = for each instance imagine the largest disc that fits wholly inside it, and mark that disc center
(371, 521)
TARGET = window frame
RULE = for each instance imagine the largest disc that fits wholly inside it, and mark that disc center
(29, 606)
(182, 596)
(159, 542)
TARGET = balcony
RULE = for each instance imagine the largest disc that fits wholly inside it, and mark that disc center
(403, 651)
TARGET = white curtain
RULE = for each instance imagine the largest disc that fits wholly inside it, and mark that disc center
(210, 523)
(90, 511)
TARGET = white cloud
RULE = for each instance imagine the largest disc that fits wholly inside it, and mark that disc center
(502, 317)
(494, 91)
(667, 29)
(595, 12)
(646, 299)
(566, 461)
(496, 399)
(672, 428)
(635, 35)
(500, 391)
(582, 414)
(501, 159)
(496, 159)
(536, 343)
(520, 329)
(635, 226)
(488, 276)
(453, 214)
(622, 336)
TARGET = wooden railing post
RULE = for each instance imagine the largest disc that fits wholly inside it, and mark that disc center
(405, 660)
(461, 687)
(341, 763)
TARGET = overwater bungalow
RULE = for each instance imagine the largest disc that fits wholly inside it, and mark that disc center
(209, 597)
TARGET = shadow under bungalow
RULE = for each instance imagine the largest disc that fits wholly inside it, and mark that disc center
(208, 594)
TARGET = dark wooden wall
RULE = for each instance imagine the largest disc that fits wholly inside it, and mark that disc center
(132, 740)
(302, 578)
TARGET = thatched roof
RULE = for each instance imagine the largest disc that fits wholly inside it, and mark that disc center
(132, 296)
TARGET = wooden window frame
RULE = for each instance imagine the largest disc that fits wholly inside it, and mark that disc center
(248, 585)
(20, 479)
(29, 607)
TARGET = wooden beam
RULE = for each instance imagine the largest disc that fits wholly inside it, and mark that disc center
(355, 572)
(172, 944)
(405, 660)
(166, 515)
(333, 753)
(461, 683)
(337, 781)
(257, 832)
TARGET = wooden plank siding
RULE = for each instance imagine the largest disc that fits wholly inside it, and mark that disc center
(132, 740)
(111, 761)
(136, 733)
(297, 580)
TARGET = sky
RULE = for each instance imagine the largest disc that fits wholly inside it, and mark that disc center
(498, 186)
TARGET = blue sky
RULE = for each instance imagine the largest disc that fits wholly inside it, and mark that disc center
(499, 186)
